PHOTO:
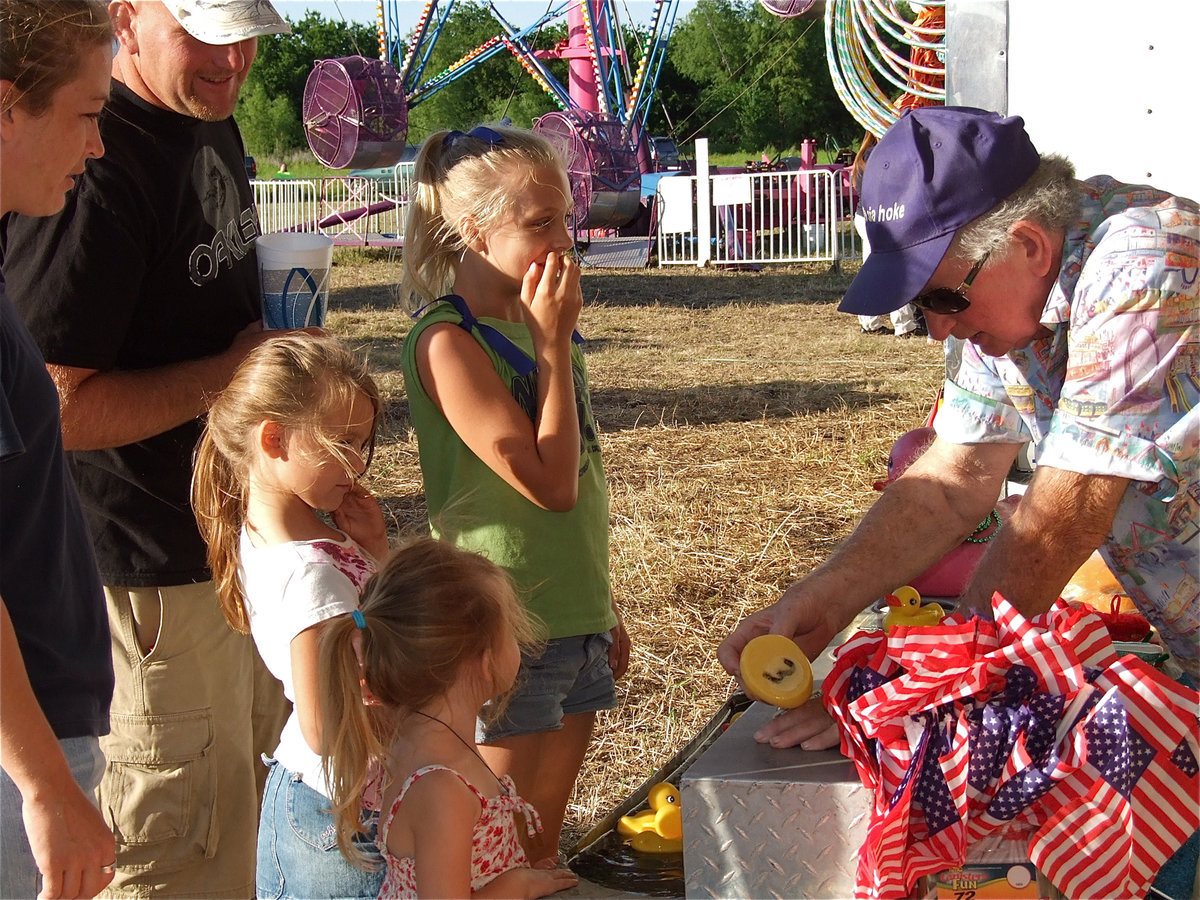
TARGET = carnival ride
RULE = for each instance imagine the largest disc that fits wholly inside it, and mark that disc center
(874, 81)
(355, 112)
(355, 109)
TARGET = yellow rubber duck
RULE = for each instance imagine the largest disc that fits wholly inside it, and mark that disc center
(906, 609)
(660, 829)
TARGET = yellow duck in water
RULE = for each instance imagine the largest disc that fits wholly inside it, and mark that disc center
(906, 609)
(660, 830)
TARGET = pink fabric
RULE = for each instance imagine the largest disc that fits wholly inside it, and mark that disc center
(495, 845)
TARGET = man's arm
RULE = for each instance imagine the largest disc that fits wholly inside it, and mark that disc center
(923, 514)
(118, 407)
(69, 838)
(928, 510)
(1060, 520)
(937, 502)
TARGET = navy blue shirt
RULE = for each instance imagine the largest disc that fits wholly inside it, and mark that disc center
(48, 576)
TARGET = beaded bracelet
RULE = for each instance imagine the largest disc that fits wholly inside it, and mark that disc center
(992, 518)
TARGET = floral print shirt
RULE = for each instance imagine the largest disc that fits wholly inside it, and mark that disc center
(495, 845)
(1113, 391)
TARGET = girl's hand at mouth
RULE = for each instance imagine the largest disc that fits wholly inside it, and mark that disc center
(551, 298)
(361, 517)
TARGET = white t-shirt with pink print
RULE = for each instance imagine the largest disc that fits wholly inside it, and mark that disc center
(290, 587)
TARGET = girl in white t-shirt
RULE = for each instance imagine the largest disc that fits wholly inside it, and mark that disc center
(287, 440)
(439, 634)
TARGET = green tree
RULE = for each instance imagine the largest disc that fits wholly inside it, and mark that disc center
(757, 81)
(491, 90)
(269, 108)
(270, 127)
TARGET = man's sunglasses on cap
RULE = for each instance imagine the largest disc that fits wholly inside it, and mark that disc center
(948, 301)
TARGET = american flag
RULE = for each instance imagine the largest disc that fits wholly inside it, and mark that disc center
(1030, 729)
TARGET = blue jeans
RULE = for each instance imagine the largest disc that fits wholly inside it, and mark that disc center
(19, 875)
(298, 855)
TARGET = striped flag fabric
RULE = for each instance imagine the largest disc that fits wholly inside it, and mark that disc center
(1134, 801)
(1017, 729)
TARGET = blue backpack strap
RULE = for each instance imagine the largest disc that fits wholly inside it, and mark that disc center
(508, 351)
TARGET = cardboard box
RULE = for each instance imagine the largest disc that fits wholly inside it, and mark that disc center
(990, 881)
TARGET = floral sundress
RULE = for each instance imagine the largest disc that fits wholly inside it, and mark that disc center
(495, 844)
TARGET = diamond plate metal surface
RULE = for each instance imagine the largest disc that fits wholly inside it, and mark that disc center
(760, 822)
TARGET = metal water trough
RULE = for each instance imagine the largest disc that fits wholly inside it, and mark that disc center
(602, 857)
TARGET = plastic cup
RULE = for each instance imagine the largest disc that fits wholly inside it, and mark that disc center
(293, 269)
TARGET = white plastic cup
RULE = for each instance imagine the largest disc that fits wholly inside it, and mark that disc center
(293, 270)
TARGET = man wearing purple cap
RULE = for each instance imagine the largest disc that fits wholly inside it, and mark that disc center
(1069, 310)
(143, 296)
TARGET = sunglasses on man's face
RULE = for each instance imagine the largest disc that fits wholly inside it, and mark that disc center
(948, 301)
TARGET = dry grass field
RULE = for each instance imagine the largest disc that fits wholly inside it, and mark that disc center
(743, 421)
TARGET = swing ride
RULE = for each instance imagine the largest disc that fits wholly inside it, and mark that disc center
(355, 110)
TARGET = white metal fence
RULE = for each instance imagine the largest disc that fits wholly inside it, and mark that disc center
(758, 217)
(350, 209)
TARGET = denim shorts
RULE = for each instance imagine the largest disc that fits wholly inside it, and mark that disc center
(571, 676)
(298, 854)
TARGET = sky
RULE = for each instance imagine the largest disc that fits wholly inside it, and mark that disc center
(517, 12)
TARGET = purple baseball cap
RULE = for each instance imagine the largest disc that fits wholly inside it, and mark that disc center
(934, 171)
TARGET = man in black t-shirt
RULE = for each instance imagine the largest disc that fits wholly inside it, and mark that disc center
(143, 297)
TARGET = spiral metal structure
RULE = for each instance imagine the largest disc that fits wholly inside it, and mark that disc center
(874, 81)
(787, 9)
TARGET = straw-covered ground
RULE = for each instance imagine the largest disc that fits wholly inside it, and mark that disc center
(743, 421)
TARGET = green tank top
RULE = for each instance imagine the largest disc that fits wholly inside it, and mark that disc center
(558, 560)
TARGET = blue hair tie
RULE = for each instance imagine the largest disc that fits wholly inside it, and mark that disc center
(489, 136)
(359, 619)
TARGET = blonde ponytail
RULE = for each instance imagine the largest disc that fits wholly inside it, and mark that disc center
(219, 504)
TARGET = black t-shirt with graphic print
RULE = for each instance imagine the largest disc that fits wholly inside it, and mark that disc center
(150, 263)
